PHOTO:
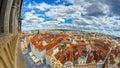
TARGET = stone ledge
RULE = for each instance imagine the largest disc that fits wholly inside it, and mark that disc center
(19, 60)
(7, 49)
(5, 38)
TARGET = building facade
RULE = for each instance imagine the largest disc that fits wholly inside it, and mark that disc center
(39, 54)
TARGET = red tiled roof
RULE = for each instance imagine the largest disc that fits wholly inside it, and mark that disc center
(57, 55)
(62, 58)
(67, 42)
(49, 53)
(99, 40)
(76, 57)
(65, 35)
(52, 44)
(94, 47)
(32, 39)
(66, 51)
(99, 48)
(70, 55)
(108, 45)
(75, 51)
(40, 47)
(79, 40)
(80, 48)
(74, 46)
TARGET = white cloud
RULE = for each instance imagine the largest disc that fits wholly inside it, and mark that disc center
(79, 2)
(58, 14)
(30, 6)
(57, 1)
(65, 11)
(32, 11)
(30, 17)
(60, 20)
(40, 6)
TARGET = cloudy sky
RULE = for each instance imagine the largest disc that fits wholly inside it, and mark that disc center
(90, 15)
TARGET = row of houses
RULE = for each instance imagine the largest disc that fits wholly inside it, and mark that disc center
(58, 49)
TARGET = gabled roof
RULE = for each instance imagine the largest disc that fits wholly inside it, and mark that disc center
(62, 59)
(70, 55)
(57, 55)
(66, 51)
(49, 53)
(51, 45)
(76, 57)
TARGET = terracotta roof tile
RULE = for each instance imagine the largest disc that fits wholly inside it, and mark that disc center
(49, 53)
(41, 47)
(62, 58)
(51, 45)
(70, 55)
(67, 50)
(76, 57)
(57, 55)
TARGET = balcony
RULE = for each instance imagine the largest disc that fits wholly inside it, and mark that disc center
(10, 52)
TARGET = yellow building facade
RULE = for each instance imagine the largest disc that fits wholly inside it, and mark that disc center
(55, 63)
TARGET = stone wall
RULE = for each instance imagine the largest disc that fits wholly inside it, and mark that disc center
(10, 13)
(7, 50)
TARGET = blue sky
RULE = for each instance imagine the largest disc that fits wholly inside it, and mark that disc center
(90, 15)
